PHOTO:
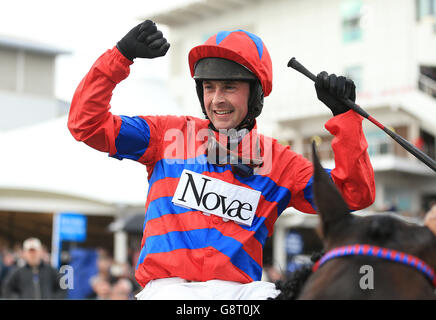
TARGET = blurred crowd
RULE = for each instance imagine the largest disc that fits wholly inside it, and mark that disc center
(26, 273)
(114, 281)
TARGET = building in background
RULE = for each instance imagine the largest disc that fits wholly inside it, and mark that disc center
(387, 47)
(27, 83)
(44, 171)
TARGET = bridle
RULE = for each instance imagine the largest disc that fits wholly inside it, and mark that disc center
(379, 252)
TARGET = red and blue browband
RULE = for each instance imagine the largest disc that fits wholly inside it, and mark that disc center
(379, 252)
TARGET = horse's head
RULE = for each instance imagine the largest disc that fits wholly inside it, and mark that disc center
(339, 277)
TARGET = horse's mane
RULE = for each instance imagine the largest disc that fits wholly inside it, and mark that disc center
(291, 287)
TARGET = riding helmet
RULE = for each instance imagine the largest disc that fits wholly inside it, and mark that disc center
(234, 55)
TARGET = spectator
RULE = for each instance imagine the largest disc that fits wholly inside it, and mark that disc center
(122, 290)
(8, 264)
(104, 265)
(34, 280)
(101, 287)
(124, 270)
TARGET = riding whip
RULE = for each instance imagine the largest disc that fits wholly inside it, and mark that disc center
(293, 63)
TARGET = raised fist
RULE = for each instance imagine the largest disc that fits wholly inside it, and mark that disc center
(143, 41)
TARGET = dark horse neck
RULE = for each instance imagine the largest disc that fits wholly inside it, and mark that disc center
(345, 278)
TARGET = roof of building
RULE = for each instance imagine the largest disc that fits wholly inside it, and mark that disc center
(195, 10)
(30, 45)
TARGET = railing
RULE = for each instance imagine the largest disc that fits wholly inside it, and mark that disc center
(379, 144)
(376, 147)
(381, 147)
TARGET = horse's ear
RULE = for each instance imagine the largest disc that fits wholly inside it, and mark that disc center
(330, 205)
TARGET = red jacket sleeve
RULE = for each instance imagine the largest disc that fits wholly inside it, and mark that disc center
(353, 173)
(89, 119)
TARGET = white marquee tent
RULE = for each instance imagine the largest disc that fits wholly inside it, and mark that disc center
(43, 169)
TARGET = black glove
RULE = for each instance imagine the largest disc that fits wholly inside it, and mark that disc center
(330, 88)
(143, 41)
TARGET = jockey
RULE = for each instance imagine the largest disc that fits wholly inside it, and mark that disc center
(216, 186)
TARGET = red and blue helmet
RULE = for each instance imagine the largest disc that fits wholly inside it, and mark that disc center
(234, 55)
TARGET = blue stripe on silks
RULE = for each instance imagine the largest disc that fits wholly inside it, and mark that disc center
(270, 190)
(162, 206)
(173, 168)
(308, 193)
(257, 41)
(261, 231)
(238, 256)
(133, 138)
(220, 36)
(202, 238)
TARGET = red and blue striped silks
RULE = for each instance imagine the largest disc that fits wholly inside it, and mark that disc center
(179, 242)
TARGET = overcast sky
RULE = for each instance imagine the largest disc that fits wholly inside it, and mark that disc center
(87, 28)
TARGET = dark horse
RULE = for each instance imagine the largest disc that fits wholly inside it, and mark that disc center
(367, 257)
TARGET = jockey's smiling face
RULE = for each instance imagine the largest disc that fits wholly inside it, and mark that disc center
(226, 102)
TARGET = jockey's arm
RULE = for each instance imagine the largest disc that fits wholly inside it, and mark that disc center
(353, 173)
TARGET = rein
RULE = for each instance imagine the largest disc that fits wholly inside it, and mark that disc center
(378, 252)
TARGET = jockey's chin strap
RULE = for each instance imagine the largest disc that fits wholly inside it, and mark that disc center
(379, 252)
